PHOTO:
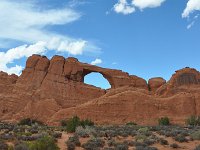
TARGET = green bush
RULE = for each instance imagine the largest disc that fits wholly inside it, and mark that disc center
(121, 146)
(44, 143)
(86, 122)
(73, 141)
(181, 139)
(29, 122)
(82, 132)
(63, 123)
(193, 121)
(131, 124)
(163, 142)
(143, 130)
(72, 123)
(164, 121)
(174, 145)
(195, 135)
(94, 143)
(141, 138)
(75, 121)
(21, 146)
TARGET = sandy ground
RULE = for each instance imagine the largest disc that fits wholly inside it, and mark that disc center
(62, 140)
(183, 146)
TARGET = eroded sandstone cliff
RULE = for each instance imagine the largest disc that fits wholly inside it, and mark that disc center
(52, 90)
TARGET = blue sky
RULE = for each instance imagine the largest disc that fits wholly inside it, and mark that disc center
(147, 38)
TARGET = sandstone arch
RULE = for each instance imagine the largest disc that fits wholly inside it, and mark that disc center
(76, 71)
(88, 71)
(97, 77)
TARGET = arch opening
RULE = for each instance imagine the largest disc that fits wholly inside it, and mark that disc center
(97, 79)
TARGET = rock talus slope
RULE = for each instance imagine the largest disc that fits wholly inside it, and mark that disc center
(52, 90)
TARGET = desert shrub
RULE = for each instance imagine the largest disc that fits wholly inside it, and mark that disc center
(124, 134)
(72, 123)
(150, 148)
(28, 138)
(10, 147)
(150, 141)
(111, 142)
(139, 148)
(121, 146)
(195, 135)
(33, 131)
(63, 123)
(57, 135)
(108, 148)
(75, 121)
(3, 146)
(80, 131)
(140, 144)
(21, 146)
(174, 145)
(73, 140)
(129, 142)
(197, 147)
(131, 124)
(71, 146)
(180, 139)
(84, 132)
(193, 121)
(94, 143)
(164, 121)
(143, 130)
(86, 122)
(29, 122)
(44, 143)
(7, 136)
(164, 142)
(140, 138)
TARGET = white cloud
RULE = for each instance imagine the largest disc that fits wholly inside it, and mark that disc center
(17, 53)
(27, 23)
(123, 7)
(114, 63)
(190, 25)
(142, 4)
(196, 17)
(192, 5)
(96, 61)
(40, 47)
(74, 48)
(127, 8)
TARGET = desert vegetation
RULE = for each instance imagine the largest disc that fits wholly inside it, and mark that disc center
(84, 134)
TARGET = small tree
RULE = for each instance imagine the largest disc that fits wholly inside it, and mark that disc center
(193, 121)
(75, 121)
(63, 123)
(164, 121)
(72, 123)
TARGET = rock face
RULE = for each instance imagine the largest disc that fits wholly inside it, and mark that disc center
(155, 83)
(52, 90)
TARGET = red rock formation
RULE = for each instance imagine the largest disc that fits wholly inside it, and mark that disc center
(155, 83)
(52, 90)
